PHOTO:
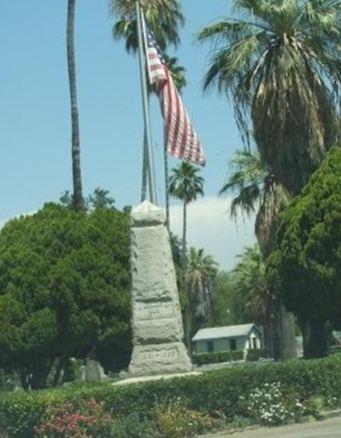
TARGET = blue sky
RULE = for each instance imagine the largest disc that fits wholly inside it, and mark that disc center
(35, 114)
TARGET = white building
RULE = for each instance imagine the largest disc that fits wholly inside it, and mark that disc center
(224, 339)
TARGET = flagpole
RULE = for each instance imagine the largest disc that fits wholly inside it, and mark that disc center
(144, 91)
(145, 170)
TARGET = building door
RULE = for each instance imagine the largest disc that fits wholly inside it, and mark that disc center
(233, 345)
(210, 346)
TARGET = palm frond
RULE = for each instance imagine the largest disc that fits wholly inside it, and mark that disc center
(246, 182)
(249, 281)
(177, 72)
(185, 183)
(164, 18)
(281, 67)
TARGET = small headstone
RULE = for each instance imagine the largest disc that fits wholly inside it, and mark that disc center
(82, 373)
(102, 373)
(93, 370)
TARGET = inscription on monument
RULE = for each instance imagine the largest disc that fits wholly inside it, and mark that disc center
(148, 311)
(157, 356)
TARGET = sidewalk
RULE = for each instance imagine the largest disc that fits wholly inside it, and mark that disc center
(330, 428)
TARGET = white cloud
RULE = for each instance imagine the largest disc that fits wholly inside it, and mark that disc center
(210, 227)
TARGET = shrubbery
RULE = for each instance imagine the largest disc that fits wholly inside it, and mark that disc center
(211, 399)
(6, 381)
(254, 355)
(176, 419)
(305, 267)
(89, 419)
(228, 356)
(64, 291)
(335, 349)
(271, 405)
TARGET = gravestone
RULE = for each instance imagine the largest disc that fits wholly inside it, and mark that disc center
(158, 346)
(93, 371)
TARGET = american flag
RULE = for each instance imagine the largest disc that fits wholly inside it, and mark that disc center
(181, 139)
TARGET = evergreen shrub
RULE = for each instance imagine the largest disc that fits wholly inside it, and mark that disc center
(221, 393)
(6, 381)
(226, 356)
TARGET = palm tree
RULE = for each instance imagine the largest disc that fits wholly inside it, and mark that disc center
(256, 190)
(249, 281)
(281, 66)
(248, 182)
(186, 185)
(77, 199)
(164, 18)
(202, 270)
(254, 296)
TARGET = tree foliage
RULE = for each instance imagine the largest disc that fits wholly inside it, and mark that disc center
(253, 297)
(242, 295)
(177, 71)
(222, 303)
(64, 288)
(279, 61)
(255, 189)
(185, 184)
(306, 267)
(248, 177)
(164, 18)
(99, 198)
(201, 272)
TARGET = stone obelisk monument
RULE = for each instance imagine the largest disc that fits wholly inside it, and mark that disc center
(158, 346)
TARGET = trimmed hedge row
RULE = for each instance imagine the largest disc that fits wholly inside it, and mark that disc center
(215, 391)
(227, 356)
(335, 349)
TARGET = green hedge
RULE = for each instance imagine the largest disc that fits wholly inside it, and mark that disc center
(335, 349)
(215, 391)
(6, 381)
(207, 358)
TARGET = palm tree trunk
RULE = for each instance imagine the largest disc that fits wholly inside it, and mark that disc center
(275, 350)
(78, 201)
(315, 339)
(165, 157)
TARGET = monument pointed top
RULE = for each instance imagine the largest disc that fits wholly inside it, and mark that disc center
(147, 213)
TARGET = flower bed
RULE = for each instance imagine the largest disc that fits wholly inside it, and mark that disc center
(270, 394)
